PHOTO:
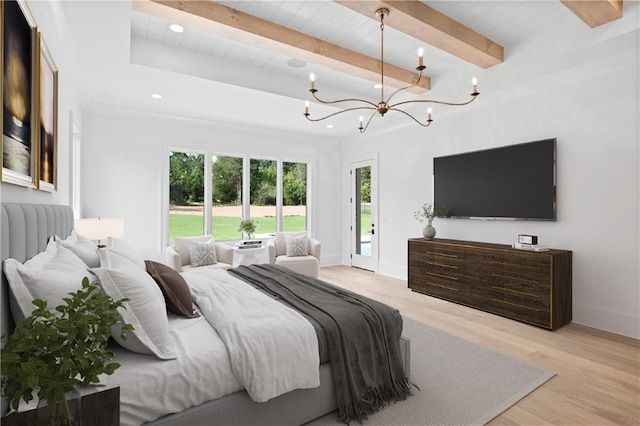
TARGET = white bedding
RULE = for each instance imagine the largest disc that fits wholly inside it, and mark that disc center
(273, 349)
(151, 388)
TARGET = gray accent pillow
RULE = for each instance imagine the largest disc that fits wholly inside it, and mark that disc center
(297, 246)
(202, 254)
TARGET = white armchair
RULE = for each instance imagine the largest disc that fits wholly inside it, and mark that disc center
(179, 259)
(308, 265)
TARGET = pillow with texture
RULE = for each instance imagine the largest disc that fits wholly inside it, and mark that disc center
(82, 247)
(202, 254)
(145, 310)
(50, 275)
(181, 244)
(174, 289)
(119, 246)
(297, 246)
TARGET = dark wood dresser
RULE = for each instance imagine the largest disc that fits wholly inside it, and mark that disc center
(528, 286)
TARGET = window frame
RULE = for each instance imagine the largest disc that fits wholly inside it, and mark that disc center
(246, 188)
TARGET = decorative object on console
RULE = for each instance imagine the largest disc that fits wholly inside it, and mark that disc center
(384, 106)
(57, 352)
(527, 239)
(100, 228)
(428, 212)
(248, 227)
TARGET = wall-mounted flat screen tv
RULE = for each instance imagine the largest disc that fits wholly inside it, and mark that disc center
(511, 182)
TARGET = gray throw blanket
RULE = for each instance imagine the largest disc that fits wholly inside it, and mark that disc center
(362, 337)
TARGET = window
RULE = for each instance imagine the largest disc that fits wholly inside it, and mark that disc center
(294, 197)
(271, 191)
(186, 194)
(226, 196)
(262, 207)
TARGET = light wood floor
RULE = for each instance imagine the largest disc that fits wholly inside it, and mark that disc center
(598, 373)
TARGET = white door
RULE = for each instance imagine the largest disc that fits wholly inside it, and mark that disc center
(364, 214)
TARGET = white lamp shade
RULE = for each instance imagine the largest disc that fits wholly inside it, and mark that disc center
(100, 228)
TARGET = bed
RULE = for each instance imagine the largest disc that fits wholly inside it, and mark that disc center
(25, 231)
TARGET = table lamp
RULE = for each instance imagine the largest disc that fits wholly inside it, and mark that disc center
(100, 228)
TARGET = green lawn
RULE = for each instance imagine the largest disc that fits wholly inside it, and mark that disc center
(224, 228)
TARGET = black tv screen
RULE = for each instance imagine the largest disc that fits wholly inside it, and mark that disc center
(511, 182)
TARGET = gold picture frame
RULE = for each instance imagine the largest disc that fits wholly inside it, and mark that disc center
(47, 118)
(19, 136)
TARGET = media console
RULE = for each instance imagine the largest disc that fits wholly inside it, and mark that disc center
(528, 286)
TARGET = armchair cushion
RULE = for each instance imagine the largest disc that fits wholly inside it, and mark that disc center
(297, 246)
(202, 254)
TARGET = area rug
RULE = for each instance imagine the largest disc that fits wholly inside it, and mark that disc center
(460, 383)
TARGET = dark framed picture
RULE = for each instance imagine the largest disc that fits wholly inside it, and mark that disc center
(47, 108)
(19, 147)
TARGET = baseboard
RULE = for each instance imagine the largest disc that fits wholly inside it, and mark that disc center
(330, 260)
(607, 320)
(393, 270)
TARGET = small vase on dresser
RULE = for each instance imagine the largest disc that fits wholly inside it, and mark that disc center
(429, 231)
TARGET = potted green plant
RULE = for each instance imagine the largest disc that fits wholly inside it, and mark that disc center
(248, 227)
(58, 352)
(428, 212)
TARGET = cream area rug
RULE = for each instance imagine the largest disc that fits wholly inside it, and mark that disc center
(460, 383)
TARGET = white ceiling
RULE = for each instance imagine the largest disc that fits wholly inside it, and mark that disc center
(127, 55)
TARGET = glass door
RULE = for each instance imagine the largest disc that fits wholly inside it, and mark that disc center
(364, 234)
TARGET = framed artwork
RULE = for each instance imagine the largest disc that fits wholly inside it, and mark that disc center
(47, 123)
(19, 147)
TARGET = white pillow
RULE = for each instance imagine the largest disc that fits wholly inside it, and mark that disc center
(145, 310)
(181, 244)
(201, 254)
(82, 247)
(50, 275)
(119, 246)
(297, 246)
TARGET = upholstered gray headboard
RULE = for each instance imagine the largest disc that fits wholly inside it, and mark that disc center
(25, 230)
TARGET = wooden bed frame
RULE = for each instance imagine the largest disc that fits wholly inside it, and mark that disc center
(26, 229)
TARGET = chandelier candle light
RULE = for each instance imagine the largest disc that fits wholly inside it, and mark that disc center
(385, 106)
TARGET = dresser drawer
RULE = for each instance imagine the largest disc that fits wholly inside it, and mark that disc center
(438, 286)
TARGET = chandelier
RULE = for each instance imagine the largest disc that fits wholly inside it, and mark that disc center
(385, 106)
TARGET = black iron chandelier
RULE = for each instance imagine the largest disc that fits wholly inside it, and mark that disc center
(385, 106)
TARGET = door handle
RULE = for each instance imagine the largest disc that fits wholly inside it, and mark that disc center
(373, 231)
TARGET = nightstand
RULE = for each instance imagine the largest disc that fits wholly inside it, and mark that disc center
(98, 409)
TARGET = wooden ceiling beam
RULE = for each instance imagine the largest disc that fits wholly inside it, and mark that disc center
(229, 23)
(432, 27)
(595, 12)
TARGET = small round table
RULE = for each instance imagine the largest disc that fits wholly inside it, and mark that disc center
(248, 255)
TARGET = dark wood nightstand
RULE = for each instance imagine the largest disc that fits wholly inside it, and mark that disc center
(98, 409)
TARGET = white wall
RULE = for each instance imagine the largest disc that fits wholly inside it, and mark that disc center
(125, 152)
(52, 24)
(577, 85)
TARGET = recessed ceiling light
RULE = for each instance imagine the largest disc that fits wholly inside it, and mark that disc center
(156, 96)
(329, 126)
(176, 28)
(377, 86)
(296, 63)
